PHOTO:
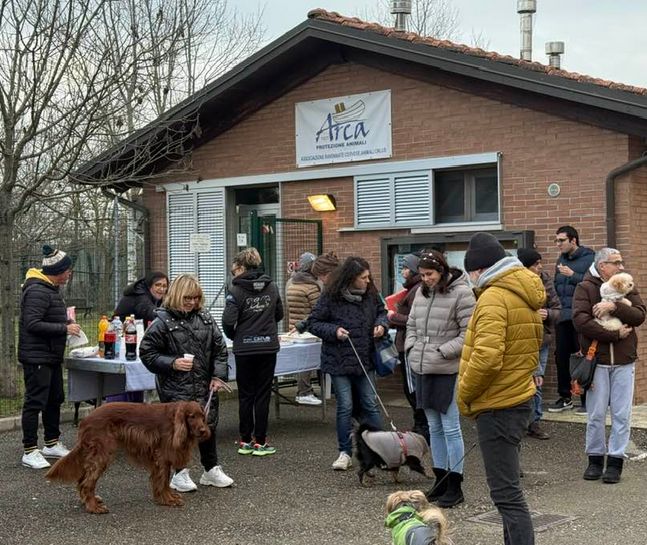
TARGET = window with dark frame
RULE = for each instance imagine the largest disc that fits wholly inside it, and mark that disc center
(466, 195)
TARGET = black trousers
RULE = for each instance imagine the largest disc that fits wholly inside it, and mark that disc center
(43, 394)
(566, 344)
(499, 434)
(420, 424)
(254, 376)
(208, 449)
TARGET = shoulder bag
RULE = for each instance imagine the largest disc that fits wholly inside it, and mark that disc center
(583, 367)
(386, 356)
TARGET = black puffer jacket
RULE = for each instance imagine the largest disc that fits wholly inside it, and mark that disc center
(138, 300)
(170, 336)
(359, 319)
(43, 322)
(253, 309)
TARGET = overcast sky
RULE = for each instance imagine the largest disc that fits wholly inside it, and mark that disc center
(603, 38)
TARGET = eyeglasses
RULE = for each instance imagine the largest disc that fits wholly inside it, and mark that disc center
(560, 240)
(190, 298)
(617, 263)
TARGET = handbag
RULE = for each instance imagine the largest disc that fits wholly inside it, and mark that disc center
(583, 367)
(386, 356)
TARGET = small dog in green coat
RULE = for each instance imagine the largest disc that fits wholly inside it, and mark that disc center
(414, 521)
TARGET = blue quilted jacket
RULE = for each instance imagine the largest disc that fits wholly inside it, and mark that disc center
(359, 319)
(579, 261)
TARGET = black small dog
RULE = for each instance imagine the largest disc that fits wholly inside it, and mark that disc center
(389, 451)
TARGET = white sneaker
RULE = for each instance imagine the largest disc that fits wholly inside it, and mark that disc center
(342, 463)
(35, 460)
(216, 477)
(310, 399)
(182, 482)
(59, 450)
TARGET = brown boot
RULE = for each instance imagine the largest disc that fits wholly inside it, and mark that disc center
(534, 430)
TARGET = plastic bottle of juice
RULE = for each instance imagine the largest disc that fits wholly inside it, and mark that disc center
(103, 327)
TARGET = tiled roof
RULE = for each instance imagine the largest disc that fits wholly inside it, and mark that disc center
(354, 22)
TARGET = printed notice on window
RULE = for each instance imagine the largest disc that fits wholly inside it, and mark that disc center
(200, 243)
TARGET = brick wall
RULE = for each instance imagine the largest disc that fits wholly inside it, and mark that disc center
(431, 121)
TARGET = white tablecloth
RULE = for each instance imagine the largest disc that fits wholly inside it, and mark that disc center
(89, 378)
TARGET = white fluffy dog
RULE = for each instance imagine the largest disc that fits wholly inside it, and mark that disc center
(614, 290)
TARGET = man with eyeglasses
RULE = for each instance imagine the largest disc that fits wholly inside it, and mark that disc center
(572, 264)
(613, 381)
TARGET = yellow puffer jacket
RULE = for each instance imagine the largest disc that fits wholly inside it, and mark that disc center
(503, 338)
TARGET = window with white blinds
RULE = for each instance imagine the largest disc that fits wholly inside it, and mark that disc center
(393, 200)
(200, 212)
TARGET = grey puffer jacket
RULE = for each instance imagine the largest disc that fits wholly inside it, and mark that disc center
(170, 336)
(436, 327)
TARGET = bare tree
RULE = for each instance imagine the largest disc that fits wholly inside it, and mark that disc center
(76, 77)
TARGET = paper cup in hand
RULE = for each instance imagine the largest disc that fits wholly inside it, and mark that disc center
(189, 357)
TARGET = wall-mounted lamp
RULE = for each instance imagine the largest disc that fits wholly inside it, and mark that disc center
(322, 203)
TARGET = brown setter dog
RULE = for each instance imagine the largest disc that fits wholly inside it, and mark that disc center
(159, 437)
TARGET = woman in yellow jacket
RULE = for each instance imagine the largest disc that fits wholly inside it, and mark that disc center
(499, 359)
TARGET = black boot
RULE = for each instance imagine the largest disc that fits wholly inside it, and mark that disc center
(439, 487)
(613, 471)
(453, 495)
(595, 469)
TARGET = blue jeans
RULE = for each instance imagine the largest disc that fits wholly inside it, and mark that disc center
(446, 438)
(613, 387)
(344, 385)
(537, 400)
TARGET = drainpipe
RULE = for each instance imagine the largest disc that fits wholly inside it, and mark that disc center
(145, 212)
(611, 195)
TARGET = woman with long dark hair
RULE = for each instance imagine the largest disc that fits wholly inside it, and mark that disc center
(436, 330)
(350, 307)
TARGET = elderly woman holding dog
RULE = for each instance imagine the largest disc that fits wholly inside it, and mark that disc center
(185, 349)
(435, 333)
(616, 353)
(350, 308)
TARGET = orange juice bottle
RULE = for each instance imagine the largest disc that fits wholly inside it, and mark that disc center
(103, 326)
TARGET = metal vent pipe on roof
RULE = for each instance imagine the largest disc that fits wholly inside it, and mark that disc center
(554, 50)
(401, 9)
(525, 9)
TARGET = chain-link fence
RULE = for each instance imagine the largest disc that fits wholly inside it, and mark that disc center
(105, 261)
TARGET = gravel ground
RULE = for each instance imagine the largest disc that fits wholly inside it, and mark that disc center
(294, 498)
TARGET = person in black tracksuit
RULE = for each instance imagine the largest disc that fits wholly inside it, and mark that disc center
(183, 328)
(42, 335)
(253, 309)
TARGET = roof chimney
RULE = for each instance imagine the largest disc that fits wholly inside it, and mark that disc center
(401, 9)
(525, 9)
(554, 50)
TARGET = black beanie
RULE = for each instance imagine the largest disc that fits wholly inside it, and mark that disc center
(483, 251)
(55, 261)
(528, 256)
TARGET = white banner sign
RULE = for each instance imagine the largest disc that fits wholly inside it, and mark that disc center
(343, 129)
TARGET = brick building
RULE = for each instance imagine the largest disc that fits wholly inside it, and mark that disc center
(470, 141)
